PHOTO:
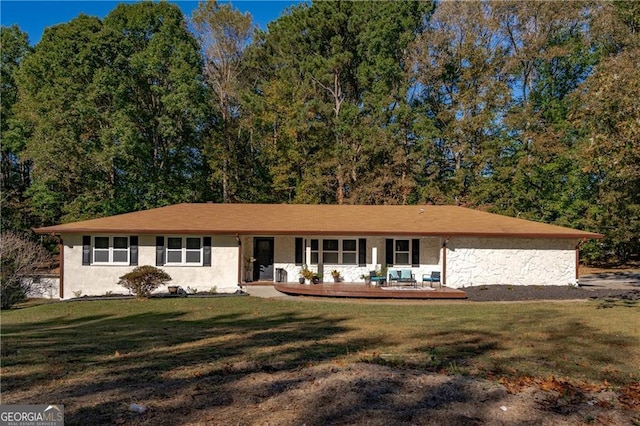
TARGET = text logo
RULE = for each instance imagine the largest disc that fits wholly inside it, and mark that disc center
(31, 415)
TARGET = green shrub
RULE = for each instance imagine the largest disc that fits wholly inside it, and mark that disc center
(143, 280)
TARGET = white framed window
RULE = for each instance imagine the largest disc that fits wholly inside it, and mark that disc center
(402, 252)
(101, 250)
(193, 251)
(120, 252)
(111, 250)
(174, 250)
(184, 251)
(349, 252)
(334, 251)
(330, 251)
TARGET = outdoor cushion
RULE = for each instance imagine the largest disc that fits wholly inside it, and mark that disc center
(434, 277)
(377, 278)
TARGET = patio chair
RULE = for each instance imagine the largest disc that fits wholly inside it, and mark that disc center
(433, 278)
(376, 279)
(394, 276)
(407, 277)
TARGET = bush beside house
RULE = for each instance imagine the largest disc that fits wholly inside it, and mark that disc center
(143, 280)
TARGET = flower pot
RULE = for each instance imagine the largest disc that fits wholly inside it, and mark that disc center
(301, 280)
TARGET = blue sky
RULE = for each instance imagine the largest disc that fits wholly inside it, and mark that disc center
(34, 16)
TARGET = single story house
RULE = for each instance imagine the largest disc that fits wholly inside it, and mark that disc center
(223, 245)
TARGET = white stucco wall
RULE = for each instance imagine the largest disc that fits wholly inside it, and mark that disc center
(470, 261)
(99, 279)
(513, 261)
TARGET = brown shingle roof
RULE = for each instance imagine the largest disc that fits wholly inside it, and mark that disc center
(299, 219)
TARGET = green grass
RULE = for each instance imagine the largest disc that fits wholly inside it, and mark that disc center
(141, 347)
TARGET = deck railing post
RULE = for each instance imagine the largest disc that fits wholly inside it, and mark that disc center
(444, 262)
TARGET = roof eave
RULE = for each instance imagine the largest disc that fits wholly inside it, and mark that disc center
(568, 235)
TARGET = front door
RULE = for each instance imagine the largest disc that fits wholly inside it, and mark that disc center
(263, 253)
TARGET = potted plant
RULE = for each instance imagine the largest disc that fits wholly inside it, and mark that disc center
(336, 276)
(306, 274)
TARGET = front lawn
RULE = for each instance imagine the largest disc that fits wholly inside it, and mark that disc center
(98, 357)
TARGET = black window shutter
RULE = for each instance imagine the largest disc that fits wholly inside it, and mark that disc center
(362, 252)
(206, 254)
(299, 251)
(133, 250)
(389, 251)
(86, 250)
(415, 252)
(159, 251)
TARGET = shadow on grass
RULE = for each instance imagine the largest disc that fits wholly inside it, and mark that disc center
(608, 303)
(376, 400)
(130, 358)
(197, 361)
(537, 344)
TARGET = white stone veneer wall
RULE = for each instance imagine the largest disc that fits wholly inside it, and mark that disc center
(99, 279)
(514, 261)
(46, 287)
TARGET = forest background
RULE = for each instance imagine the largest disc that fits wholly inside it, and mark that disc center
(528, 109)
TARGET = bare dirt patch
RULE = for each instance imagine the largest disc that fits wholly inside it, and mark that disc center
(372, 394)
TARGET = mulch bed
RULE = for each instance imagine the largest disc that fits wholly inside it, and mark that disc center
(486, 293)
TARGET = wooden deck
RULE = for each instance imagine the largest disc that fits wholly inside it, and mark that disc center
(360, 290)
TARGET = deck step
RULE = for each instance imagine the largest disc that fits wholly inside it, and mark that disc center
(359, 290)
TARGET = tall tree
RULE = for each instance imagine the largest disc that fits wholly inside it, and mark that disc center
(224, 33)
(113, 113)
(68, 172)
(495, 78)
(158, 106)
(14, 173)
(549, 57)
(342, 64)
(459, 68)
(606, 111)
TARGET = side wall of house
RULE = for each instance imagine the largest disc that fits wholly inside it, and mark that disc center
(45, 287)
(513, 261)
(97, 280)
